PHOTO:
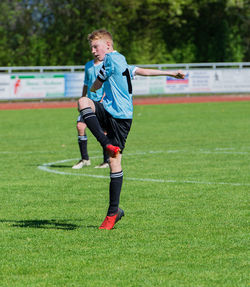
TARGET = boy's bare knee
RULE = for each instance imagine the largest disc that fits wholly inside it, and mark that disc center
(84, 103)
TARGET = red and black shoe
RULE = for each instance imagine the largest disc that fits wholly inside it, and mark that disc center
(112, 150)
(110, 221)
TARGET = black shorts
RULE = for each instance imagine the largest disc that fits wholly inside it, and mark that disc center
(80, 119)
(117, 129)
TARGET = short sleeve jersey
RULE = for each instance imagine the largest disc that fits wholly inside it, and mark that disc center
(116, 75)
(91, 72)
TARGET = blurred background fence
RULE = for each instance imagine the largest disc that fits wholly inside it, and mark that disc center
(62, 82)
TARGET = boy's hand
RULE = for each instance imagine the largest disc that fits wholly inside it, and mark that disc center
(179, 75)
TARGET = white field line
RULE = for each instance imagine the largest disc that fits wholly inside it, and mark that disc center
(35, 152)
(46, 167)
(201, 151)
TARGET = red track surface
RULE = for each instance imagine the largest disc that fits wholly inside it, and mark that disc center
(137, 101)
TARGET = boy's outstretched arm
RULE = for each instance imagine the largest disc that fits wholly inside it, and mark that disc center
(96, 85)
(84, 91)
(153, 72)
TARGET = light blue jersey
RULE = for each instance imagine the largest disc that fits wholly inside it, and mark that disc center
(116, 75)
(91, 72)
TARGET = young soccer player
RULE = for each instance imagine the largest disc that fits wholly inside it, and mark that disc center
(92, 69)
(115, 113)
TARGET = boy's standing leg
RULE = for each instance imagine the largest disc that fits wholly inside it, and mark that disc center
(116, 178)
(82, 142)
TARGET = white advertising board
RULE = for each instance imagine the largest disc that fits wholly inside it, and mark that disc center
(51, 85)
(196, 81)
(74, 84)
(35, 86)
(4, 86)
(148, 85)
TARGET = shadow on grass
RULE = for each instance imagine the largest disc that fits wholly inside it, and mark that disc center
(46, 224)
(61, 166)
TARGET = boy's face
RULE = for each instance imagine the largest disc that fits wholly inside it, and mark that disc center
(99, 48)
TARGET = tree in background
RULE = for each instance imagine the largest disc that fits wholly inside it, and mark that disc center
(218, 33)
(22, 39)
(54, 32)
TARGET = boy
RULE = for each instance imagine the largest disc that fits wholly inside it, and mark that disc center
(115, 113)
(92, 69)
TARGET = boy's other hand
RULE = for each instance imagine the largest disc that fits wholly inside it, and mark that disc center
(179, 75)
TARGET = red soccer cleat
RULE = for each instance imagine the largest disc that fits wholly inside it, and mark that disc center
(112, 150)
(110, 221)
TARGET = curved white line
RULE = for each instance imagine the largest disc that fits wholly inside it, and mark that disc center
(45, 167)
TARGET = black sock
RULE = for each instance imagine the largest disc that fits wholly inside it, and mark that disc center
(82, 141)
(114, 191)
(105, 155)
(92, 123)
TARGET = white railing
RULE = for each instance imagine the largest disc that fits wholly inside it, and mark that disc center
(44, 82)
(186, 66)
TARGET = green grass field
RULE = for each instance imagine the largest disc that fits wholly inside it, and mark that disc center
(185, 195)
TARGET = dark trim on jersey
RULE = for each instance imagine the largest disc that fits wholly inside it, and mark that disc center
(101, 70)
(100, 79)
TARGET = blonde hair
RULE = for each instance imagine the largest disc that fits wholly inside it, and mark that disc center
(100, 34)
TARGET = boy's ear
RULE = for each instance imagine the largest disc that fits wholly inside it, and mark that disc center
(109, 44)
